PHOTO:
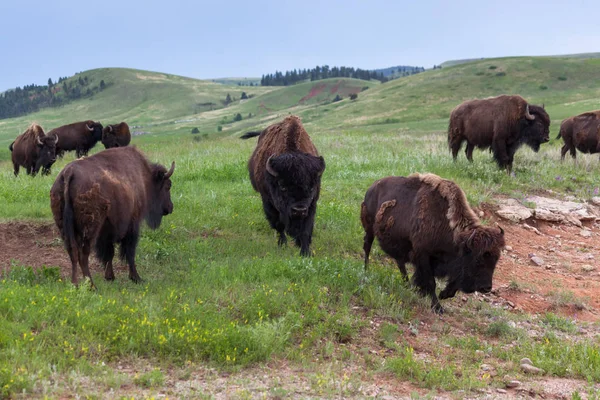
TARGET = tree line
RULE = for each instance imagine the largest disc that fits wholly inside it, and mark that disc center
(32, 98)
(317, 73)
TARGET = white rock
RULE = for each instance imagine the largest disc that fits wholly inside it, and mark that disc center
(526, 361)
(537, 260)
(514, 211)
(587, 268)
(585, 233)
(530, 369)
(508, 248)
(545, 215)
(513, 384)
(596, 200)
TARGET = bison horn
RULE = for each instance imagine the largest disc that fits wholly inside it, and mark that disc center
(39, 140)
(88, 127)
(527, 115)
(270, 169)
(501, 230)
(110, 129)
(55, 139)
(168, 174)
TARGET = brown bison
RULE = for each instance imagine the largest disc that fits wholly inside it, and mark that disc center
(426, 220)
(33, 149)
(116, 135)
(503, 123)
(78, 136)
(101, 200)
(581, 132)
(286, 170)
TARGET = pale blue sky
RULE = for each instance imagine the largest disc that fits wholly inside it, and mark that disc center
(41, 39)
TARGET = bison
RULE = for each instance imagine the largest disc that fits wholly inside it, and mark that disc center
(101, 200)
(581, 132)
(503, 123)
(33, 149)
(116, 135)
(285, 168)
(78, 136)
(426, 220)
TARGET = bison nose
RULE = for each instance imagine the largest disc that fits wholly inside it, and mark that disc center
(299, 211)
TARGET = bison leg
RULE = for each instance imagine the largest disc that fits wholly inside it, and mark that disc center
(573, 152)
(84, 256)
(303, 236)
(74, 256)
(424, 280)
(563, 152)
(128, 247)
(469, 151)
(273, 217)
(367, 243)
(16, 168)
(455, 146)
(500, 154)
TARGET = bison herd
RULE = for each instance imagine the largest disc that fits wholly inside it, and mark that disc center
(101, 200)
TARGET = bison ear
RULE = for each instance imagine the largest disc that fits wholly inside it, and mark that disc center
(322, 166)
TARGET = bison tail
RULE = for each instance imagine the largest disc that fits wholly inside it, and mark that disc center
(68, 215)
(10, 147)
(559, 134)
(249, 135)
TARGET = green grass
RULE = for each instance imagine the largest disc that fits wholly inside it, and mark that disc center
(218, 291)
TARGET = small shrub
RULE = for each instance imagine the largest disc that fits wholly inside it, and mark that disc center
(337, 98)
(499, 329)
(219, 128)
(562, 78)
(195, 130)
(150, 379)
(501, 74)
(237, 117)
(364, 88)
(197, 138)
(353, 96)
(479, 73)
(493, 67)
(543, 87)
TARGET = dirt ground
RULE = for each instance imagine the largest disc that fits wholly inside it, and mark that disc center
(567, 282)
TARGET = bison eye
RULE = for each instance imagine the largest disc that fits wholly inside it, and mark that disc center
(282, 188)
(487, 254)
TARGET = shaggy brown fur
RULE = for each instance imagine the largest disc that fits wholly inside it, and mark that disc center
(427, 220)
(78, 136)
(28, 153)
(116, 135)
(501, 123)
(101, 200)
(581, 132)
(283, 137)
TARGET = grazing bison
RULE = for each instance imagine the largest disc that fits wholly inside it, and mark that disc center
(581, 132)
(78, 136)
(33, 149)
(426, 220)
(101, 200)
(503, 123)
(286, 170)
(116, 135)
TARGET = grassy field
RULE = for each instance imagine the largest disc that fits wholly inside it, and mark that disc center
(219, 293)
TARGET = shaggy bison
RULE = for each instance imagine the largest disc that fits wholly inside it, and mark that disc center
(581, 132)
(286, 170)
(503, 123)
(78, 136)
(33, 149)
(101, 200)
(116, 135)
(426, 220)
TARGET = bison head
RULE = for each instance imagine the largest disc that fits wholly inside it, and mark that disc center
(46, 146)
(95, 129)
(160, 201)
(109, 137)
(294, 180)
(473, 269)
(535, 127)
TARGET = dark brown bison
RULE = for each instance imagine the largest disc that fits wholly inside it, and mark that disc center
(286, 170)
(33, 150)
(581, 132)
(78, 136)
(116, 135)
(503, 123)
(101, 200)
(426, 220)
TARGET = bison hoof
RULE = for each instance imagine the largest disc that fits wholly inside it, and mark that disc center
(282, 241)
(109, 277)
(136, 278)
(305, 253)
(446, 294)
(438, 309)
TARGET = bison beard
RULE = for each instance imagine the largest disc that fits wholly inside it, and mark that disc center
(426, 220)
(286, 170)
(101, 200)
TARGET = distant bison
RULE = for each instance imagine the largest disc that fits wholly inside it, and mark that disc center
(78, 136)
(33, 150)
(286, 170)
(116, 135)
(581, 132)
(101, 200)
(503, 123)
(426, 220)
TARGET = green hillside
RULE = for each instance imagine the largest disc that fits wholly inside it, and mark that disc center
(138, 97)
